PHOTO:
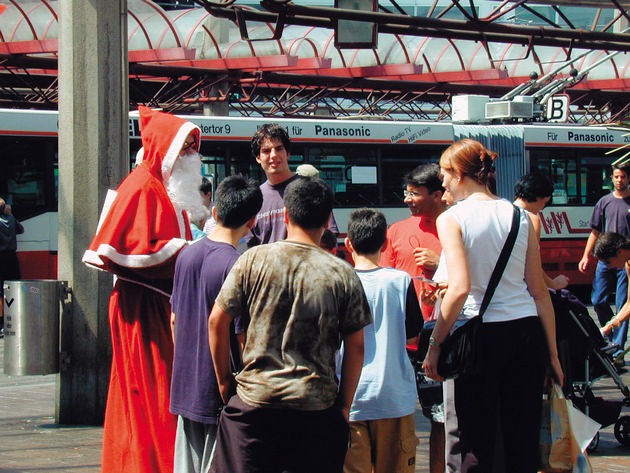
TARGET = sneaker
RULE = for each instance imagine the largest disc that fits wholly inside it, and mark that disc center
(1, 332)
(610, 349)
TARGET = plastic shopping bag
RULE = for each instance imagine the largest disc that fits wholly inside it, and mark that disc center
(583, 429)
(564, 435)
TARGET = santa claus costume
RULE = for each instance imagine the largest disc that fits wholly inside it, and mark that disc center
(138, 241)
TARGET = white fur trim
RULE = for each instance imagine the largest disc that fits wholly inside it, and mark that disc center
(181, 222)
(93, 258)
(176, 147)
(139, 156)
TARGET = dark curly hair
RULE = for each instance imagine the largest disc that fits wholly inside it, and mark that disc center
(270, 131)
(608, 245)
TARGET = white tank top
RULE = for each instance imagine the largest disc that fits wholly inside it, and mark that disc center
(485, 225)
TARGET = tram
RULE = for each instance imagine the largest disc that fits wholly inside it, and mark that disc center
(362, 160)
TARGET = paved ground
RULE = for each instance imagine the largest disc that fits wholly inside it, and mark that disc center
(30, 441)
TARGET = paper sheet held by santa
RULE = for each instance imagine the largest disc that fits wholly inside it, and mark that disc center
(138, 240)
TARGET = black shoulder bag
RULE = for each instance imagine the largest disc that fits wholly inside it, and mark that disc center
(460, 353)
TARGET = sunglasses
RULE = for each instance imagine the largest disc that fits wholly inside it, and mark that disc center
(188, 144)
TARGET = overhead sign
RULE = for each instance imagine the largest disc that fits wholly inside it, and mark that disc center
(354, 34)
(557, 109)
(546, 135)
(316, 130)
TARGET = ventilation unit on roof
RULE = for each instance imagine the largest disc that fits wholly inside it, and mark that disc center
(469, 108)
(509, 109)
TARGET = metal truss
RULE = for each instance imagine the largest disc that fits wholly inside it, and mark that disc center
(500, 24)
(30, 80)
(531, 23)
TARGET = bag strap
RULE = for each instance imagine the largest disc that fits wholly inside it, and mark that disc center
(502, 261)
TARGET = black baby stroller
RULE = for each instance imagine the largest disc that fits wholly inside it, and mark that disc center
(586, 357)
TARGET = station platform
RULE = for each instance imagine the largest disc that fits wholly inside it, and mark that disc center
(31, 441)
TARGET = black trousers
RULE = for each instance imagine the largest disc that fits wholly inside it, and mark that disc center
(504, 402)
(265, 440)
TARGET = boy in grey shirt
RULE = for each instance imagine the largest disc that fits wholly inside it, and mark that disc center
(299, 302)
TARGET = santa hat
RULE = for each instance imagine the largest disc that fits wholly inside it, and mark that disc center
(163, 136)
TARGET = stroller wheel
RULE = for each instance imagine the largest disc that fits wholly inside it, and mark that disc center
(622, 430)
(594, 443)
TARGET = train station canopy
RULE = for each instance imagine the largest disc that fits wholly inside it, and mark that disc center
(279, 57)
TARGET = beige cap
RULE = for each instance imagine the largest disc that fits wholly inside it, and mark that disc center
(307, 170)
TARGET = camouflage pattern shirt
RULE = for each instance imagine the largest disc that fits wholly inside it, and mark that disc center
(297, 301)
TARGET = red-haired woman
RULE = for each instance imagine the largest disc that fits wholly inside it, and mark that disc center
(518, 331)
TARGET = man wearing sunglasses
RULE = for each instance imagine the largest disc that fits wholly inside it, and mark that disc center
(138, 240)
(412, 244)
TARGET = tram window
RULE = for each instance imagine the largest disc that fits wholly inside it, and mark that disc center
(393, 174)
(398, 161)
(336, 165)
(564, 175)
(595, 182)
(213, 161)
(56, 174)
(134, 147)
(213, 169)
(242, 162)
(562, 193)
(28, 178)
(577, 179)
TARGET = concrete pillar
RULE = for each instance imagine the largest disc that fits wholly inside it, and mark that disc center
(216, 109)
(220, 28)
(93, 157)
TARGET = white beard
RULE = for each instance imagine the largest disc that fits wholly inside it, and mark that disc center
(183, 186)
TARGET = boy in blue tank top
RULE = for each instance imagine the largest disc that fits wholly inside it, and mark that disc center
(382, 429)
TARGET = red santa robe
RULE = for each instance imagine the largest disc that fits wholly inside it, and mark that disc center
(138, 240)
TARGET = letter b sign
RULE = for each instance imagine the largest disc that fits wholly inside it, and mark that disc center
(557, 109)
